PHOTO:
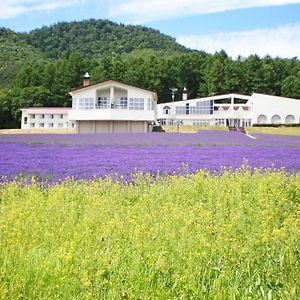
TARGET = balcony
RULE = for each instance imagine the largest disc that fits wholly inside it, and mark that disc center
(117, 113)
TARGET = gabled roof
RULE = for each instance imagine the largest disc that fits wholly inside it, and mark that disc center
(117, 82)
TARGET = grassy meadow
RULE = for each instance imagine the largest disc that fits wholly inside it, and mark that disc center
(201, 236)
(275, 130)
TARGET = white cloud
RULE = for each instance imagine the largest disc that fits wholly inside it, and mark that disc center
(13, 8)
(282, 41)
(142, 11)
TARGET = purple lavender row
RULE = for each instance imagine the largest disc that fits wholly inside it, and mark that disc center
(57, 162)
(150, 139)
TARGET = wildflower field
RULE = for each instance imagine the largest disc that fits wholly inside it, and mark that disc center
(192, 222)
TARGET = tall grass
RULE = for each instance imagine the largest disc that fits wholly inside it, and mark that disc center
(202, 236)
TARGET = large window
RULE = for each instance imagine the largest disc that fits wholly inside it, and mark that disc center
(25, 120)
(86, 103)
(123, 102)
(136, 103)
(102, 102)
(150, 104)
(201, 108)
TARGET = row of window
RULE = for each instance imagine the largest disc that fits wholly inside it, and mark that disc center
(43, 116)
(50, 125)
(201, 108)
(276, 119)
(104, 103)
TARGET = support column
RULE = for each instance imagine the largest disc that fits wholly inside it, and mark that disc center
(112, 94)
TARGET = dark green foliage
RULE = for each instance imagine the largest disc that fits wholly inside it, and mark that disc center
(95, 38)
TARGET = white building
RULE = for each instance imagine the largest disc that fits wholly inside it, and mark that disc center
(111, 107)
(45, 118)
(230, 110)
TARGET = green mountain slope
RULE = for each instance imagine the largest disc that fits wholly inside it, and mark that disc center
(14, 53)
(93, 38)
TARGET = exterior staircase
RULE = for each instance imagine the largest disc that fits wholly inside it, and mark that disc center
(238, 129)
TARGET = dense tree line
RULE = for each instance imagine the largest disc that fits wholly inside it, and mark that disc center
(43, 83)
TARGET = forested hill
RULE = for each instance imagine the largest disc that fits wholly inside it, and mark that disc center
(90, 38)
(94, 38)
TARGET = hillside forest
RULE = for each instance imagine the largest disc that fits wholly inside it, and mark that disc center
(40, 67)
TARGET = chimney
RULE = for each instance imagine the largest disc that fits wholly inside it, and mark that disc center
(86, 79)
(184, 94)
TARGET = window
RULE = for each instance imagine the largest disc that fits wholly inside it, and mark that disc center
(276, 119)
(187, 108)
(102, 102)
(41, 125)
(74, 103)
(262, 119)
(150, 104)
(200, 122)
(60, 125)
(201, 108)
(32, 125)
(73, 125)
(166, 110)
(51, 116)
(25, 120)
(136, 103)
(220, 122)
(123, 102)
(32, 116)
(290, 119)
(86, 103)
(61, 116)
(42, 116)
(51, 125)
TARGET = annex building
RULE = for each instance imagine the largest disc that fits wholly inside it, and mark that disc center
(46, 118)
(232, 110)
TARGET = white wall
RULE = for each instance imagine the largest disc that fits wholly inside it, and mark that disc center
(273, 105)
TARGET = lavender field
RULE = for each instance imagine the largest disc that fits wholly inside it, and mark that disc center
(56, 157)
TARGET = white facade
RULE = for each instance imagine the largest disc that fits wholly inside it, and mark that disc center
(112, 106)
(45, 118)
(231, 110)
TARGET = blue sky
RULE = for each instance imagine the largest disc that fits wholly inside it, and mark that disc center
(239, 27)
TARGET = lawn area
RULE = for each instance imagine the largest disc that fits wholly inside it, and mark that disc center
(275, 130)
(190, 128)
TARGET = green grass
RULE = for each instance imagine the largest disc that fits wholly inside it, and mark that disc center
(190, 128)
(275, 130)
(230, 236)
